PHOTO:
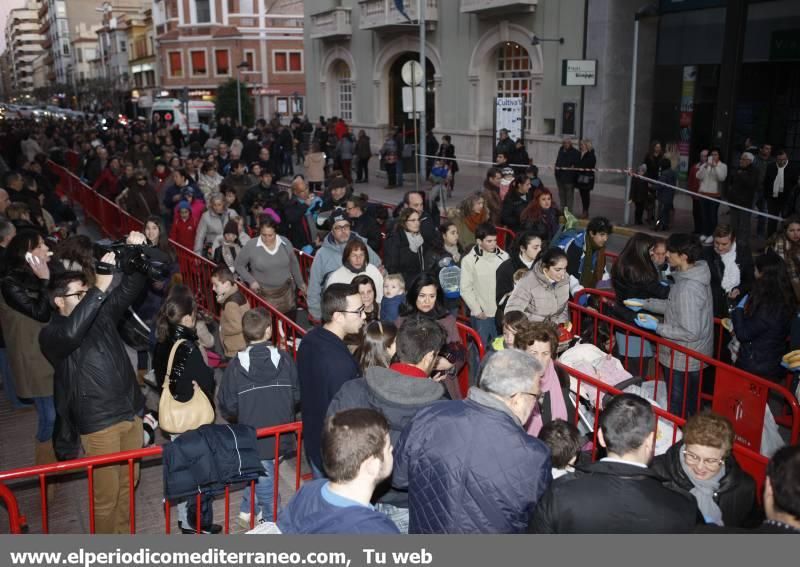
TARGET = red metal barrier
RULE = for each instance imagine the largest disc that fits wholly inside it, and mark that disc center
(505, 236)
(88, 464)
(16, 521)
(468, 336)
(740, 396)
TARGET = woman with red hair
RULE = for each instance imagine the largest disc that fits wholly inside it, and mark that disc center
(541, 216)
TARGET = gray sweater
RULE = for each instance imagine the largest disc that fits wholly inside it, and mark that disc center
(268, 270)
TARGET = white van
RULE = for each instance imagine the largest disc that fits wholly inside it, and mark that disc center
(171, 112)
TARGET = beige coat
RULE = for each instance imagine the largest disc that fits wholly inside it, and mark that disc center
(231, 327)
(315, 167)
(33, 375)
(540, 299)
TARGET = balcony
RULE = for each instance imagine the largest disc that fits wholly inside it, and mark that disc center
(331, 24)
(382, 15)
(494, 7)
(44, 27)
(47, 42)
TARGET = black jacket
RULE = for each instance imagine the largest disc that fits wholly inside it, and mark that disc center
(513, 205)
(262, 394)
(95, 385)
(743, 187)
(736, 497)
(269, 195)
(27, 294)
(613, 497)
(586, 161)
(295, 225)
(744, 260)
(367, 227)
(624, 289)
(208, 458)
(398, 257)
(762, 337)
(567, 158)
(504, 277)
(188, 365)
(784, 201)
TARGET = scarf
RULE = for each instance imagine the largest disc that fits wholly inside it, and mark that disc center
(453, 251)
(415, 241)
(474, 219)
(731, 277)
(703, 491)
(350, 267)
(777, 185)
(558, 407)
(592, 271)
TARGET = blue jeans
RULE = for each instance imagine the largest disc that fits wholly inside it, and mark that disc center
(9, 388)
(46, 412)
(265, 489)
(486, 328)
(682, 380)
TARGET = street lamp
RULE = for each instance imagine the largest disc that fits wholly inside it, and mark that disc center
(536, 40)
(241, 66)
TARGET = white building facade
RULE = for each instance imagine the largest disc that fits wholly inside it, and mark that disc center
(24, 43)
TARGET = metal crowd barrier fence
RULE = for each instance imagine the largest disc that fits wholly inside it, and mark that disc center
(41, 473)
(740, 396)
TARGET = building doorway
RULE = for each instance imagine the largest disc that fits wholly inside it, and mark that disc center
(396, 115)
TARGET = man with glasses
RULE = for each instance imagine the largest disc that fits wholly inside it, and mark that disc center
(324, 363)
(468, 465)
(95, 389)
(619, 493)
(328, 258)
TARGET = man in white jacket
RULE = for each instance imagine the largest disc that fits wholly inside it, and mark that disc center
(478, 281)
(711, 175)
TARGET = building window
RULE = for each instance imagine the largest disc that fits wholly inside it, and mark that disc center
(287, 61)
(79, 51)
(176, 63)
(344, 92)
(65, 48)
(202, 10)
(222, 61)
(250, 59)
(123, 46)
(513, 76)
(198, 63)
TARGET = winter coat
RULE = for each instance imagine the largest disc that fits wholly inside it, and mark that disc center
(744, 260)
(207, 459)
(399, 258)
(493, 203)
(141, 202)
(95, 382)
(230, 323)
(367, 227)
(736, 496)
(470, 467)
(327, 260)
(269, 195)
(260, 389)
(576, 256)
(107, 184)
(688, 317)
(210, 226)
(184, 232)
(344, 149)
(363, 148)
(295, 223)
(711, 178)
(783, 202)
(310, 513)
(315, 167)
(187, 367)
(346, 275)
(539, 298)
(478, 279)
(613, 497)
(173, 190)
(324, 364)
(624, 289)
(239, 183)
(513, 205)
(504, 279)
(505, 147)
(586, 161)
(762, 337)
(24, 312)
(567, 158)
(209, 184)
(744, 186)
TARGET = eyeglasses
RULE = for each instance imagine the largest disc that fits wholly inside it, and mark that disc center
(341, 228)
(78, 294)
(536, 397)
(692, 459)
(358, 311)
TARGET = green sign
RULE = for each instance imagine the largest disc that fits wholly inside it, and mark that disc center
(784, 45)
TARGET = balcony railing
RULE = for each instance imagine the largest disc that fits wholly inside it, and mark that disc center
(332, 24)
(488, 6)
(382, 15)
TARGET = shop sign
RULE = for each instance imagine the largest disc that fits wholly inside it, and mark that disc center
(579, 72)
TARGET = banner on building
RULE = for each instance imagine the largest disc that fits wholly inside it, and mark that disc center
(509, 113)
(686, 111)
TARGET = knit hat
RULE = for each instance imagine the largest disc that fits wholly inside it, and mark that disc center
(184, 205)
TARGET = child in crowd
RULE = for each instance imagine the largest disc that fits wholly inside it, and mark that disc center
(256, 210)
(260, 388)
(564, 442)
(512, 321)
(234, 305)
(232, 201)
(394, 295)
(505, 182)
(227, 250)
(184, 227)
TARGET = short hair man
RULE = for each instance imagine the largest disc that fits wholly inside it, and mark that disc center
(479, 281)
(4, 201)
(728, 250)
(324, 362)
(619, 493)
(468, 465)
(399, 392)
(586, 256)
(782, 492)
(428, 217)
(357, 453)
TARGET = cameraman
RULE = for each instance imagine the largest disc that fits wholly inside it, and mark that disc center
(96, 394)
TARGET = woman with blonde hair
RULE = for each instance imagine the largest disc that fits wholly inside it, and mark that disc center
(470, 213)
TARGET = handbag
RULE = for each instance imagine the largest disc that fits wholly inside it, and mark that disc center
(179, 417)
(585, 179)
(281, 298)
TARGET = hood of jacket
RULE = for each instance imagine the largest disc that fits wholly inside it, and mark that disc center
(260, 364)
(400, 389)
(699, 273)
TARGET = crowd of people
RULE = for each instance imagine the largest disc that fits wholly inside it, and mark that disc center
(393, 443)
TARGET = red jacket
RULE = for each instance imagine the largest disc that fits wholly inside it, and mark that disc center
(340, 128)
(107, 184)
(183, 232)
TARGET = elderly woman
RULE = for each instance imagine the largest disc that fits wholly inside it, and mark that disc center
(355, 262)
(404, 250)
(269, 266)
(212, 224)
(702, 464)
(542, 294)
(467, 217)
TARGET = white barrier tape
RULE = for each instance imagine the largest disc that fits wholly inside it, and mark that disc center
(629, 172)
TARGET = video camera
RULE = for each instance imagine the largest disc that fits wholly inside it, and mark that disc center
(129, 258)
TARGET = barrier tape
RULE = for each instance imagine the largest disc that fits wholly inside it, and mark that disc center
(624, 171)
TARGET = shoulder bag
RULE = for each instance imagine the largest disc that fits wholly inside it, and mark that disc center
(179, 417)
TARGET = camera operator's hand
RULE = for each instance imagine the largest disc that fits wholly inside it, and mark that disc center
(103, 281)
(136, 238)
